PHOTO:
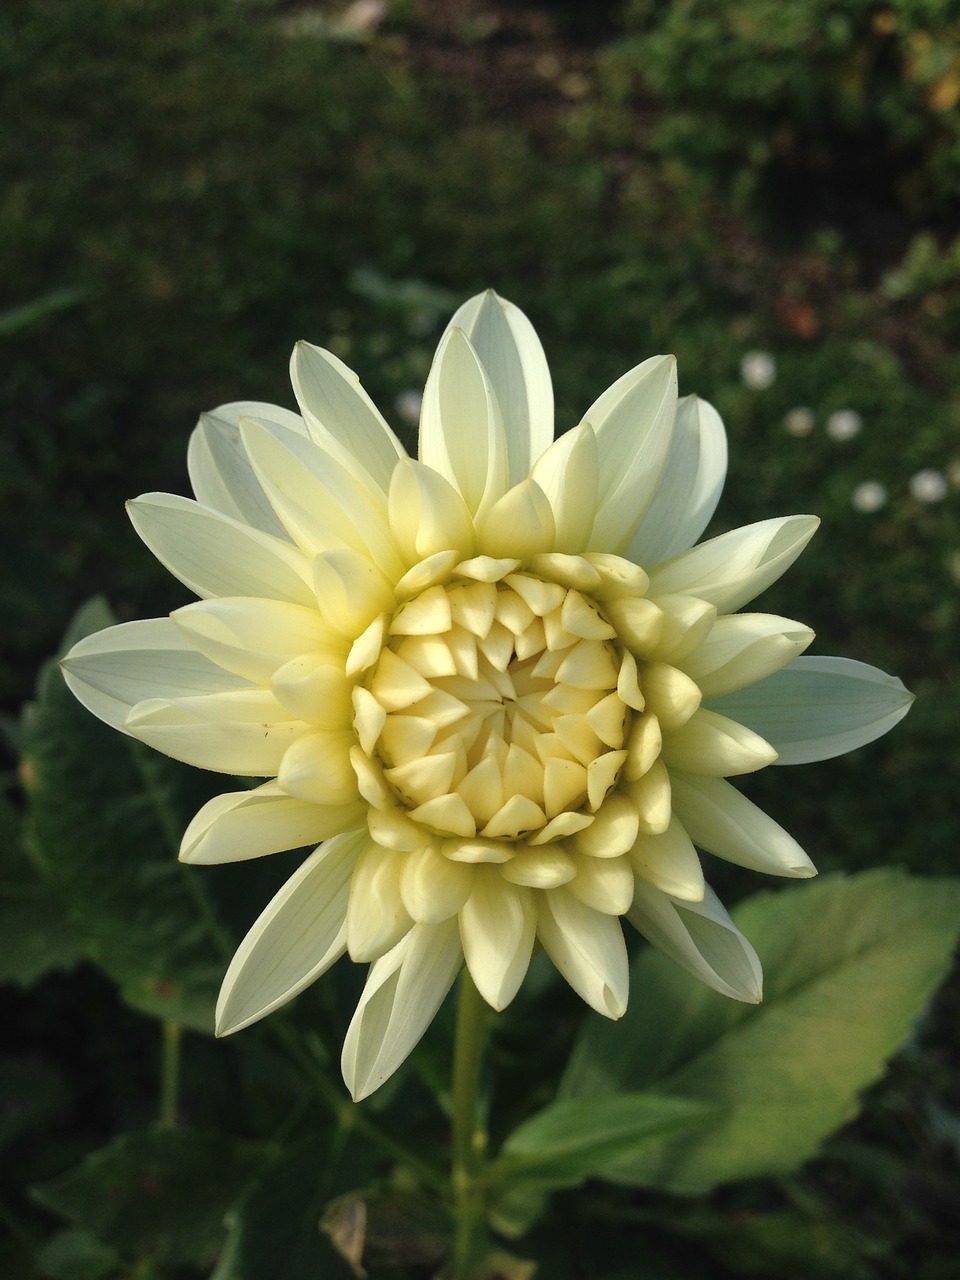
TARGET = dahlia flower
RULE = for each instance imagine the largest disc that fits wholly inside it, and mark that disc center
(498, 688)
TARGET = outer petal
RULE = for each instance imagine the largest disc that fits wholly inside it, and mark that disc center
(214, 555)
(689, 488)
(568, 473)
(498, 924)
(112, 670)
(510, 351)
(296, 938)
(250, 824)
(730, 570)
(244, 732)
(743, 648)
(250, 636)
(818, 708)
(404, 990)
(341, 417)
(722, 821)
(588, 949)
(220, 470)
(461, 430)
(317, 498)
(701, 938)
(633, 421)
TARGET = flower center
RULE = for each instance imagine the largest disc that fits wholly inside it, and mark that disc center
(498, 714)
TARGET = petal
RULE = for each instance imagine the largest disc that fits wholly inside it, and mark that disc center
(569, 473)
(716, 746)
(605, 884)
(722, 821)
(317, 767)
(341, 417)
(701, 938)
(669, 862)
(733, 568)
(251, 824)
(404, 990)
(296, 938)
(427, 514)
(461, 430)
(215, 555)
(376, 916)
(689, 487)
(518, 525)
(498, 925)
(112, 670)
(253, 637)
(588, 949)
(220, 470)
(433, 887)
(242, 731)
(744, 648)
(350, 591)
(818, 708)
(314, 687)
(633, 421)
(513, 358)
(316, 497)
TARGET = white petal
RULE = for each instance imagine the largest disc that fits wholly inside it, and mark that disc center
(633, 421)
(250, 824)
(404, 990)
(588, 949)
(376, 916)
(716, 746)
(669, 862)
(569, 473)
(818, 708)
(427, 514)
(510, 352)
(722, 821)
(317, 498)
(112, 670)
(245, 732)
(498, 924)
(350, 591)
(518, 525)
(689, 487)
(341, 416)
(701, 938)
(220, 470)
(214, 555)
(252, 637)
(742, 648)
(296, 938)
(733, 568)
(461, 431)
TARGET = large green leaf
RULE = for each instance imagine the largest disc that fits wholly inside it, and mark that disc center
(849, 965)
(105, 815)
(162, 1194)
(36, 936)
(578, 1138)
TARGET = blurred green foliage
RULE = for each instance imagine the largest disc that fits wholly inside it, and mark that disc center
(189, 189)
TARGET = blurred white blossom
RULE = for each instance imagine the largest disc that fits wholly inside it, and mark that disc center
(928, 485)
(407, 404)
(844, 424)
(799, 421)
(758, 370)
(869, 496)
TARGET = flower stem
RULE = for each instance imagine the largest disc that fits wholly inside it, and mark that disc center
(469, 1134)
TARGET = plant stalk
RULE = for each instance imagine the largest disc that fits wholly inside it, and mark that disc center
(469, 1131)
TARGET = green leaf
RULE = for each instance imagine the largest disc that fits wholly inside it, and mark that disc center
(579, 1138)
(36, 936)
(163, 1193)
(849, 965)
(104, 819)
(76, 1254)
(276, 1229)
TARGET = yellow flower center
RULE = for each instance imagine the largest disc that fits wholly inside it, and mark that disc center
(498, 713)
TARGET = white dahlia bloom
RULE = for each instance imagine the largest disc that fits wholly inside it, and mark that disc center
(498, 688)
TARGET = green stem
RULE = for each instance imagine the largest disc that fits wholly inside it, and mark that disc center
(469, 1134)
(170, 1073)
